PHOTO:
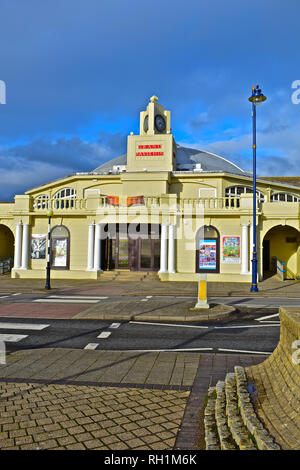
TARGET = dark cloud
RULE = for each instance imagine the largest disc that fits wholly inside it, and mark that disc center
(78, 72)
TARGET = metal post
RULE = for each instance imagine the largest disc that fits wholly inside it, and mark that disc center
(254, 287)
(256, 98)
(47, 286)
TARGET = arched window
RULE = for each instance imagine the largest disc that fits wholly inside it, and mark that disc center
(41, 202)
(284, 197)
(64, 198)
(60, 247)
(236, 191)
(207, 250)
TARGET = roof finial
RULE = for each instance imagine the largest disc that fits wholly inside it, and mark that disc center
(153, 99)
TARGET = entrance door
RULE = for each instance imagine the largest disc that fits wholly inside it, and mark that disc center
(117, 253)
(149, 254)
(136, 254)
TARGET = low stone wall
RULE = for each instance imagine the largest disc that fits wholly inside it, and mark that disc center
(276, 384)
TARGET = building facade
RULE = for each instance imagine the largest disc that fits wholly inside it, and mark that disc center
(159, 207)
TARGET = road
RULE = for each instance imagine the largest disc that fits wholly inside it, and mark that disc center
(250, 302)
(255, 331)
(248, 336)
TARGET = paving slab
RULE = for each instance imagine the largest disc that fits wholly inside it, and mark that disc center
(61, 399)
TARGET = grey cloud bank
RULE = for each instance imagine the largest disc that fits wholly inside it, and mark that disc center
(77, 74)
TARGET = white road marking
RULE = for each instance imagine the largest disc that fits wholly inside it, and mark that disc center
(22, 326)
(104, 334)
(168, 350)
(67, 301)
(272, 321)
(144, 300)
(4, 296)
(267, 317)
(91, 346)
(168, 324)
(242, 351)
(244, 326)
(115, 325)
(92, 297)
(19, 293)
(12, 338)
(149, 296)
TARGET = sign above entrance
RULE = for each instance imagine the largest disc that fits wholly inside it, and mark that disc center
(149, 150)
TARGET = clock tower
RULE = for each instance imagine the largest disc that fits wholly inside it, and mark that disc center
(154, 149)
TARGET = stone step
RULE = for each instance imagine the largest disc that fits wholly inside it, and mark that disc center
(262, 437)
(230, 420)
(236, 425)
(225, 436)
(210, 425)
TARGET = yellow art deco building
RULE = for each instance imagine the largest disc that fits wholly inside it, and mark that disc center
(159, 207)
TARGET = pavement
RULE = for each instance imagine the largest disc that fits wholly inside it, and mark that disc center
(114, 400)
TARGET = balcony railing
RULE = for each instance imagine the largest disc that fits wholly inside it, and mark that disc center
(74, 204)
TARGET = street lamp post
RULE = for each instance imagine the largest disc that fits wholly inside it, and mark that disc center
(256, 98)
(49, 215)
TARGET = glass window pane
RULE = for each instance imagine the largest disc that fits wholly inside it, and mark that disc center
(210, 232)
(156, 254)
(146, 253)
(60, 232)
(123, 253)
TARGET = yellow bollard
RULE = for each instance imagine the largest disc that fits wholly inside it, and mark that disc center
(202, 292)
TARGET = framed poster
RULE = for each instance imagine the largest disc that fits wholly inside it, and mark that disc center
(231, 250)
(59, 252)
(38, 246)
(207, 254)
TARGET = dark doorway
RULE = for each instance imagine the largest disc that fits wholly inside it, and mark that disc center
(138, 252)
(266, 256)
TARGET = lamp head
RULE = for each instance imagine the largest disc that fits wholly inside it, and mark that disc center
(49, 213)
(257, 96)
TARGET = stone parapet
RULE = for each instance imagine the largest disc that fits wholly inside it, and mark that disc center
(276, 384)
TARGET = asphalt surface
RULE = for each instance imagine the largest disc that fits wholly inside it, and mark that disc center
(249, 335)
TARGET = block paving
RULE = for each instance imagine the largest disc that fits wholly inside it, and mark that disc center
(75, 417)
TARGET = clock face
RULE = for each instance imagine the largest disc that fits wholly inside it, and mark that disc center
(146, 124)
(160, 123)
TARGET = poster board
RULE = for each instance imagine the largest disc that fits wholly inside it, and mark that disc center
(59, 252)
(38, 246)
(231, 249)
(207, 254)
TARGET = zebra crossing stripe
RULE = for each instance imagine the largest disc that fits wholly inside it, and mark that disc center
(22, 326)
(12, 338)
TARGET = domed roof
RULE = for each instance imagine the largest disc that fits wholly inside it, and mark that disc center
(188, 159)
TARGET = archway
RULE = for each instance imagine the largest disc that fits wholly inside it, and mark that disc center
(282, 242)
(6, 249)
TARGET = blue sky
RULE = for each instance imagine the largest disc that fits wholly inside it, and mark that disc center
(78, 72)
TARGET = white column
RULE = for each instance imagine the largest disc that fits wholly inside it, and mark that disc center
(18, 246)
(164, 249)
(244, 269)
(251, 247)
(91, 242)
(97, 248)
(25, 246)
(171, 254)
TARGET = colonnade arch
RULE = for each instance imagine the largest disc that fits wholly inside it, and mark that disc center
(281, 242)
(6, 242)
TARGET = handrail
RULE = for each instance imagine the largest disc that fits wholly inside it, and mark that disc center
(289, 273)
(280, 271)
